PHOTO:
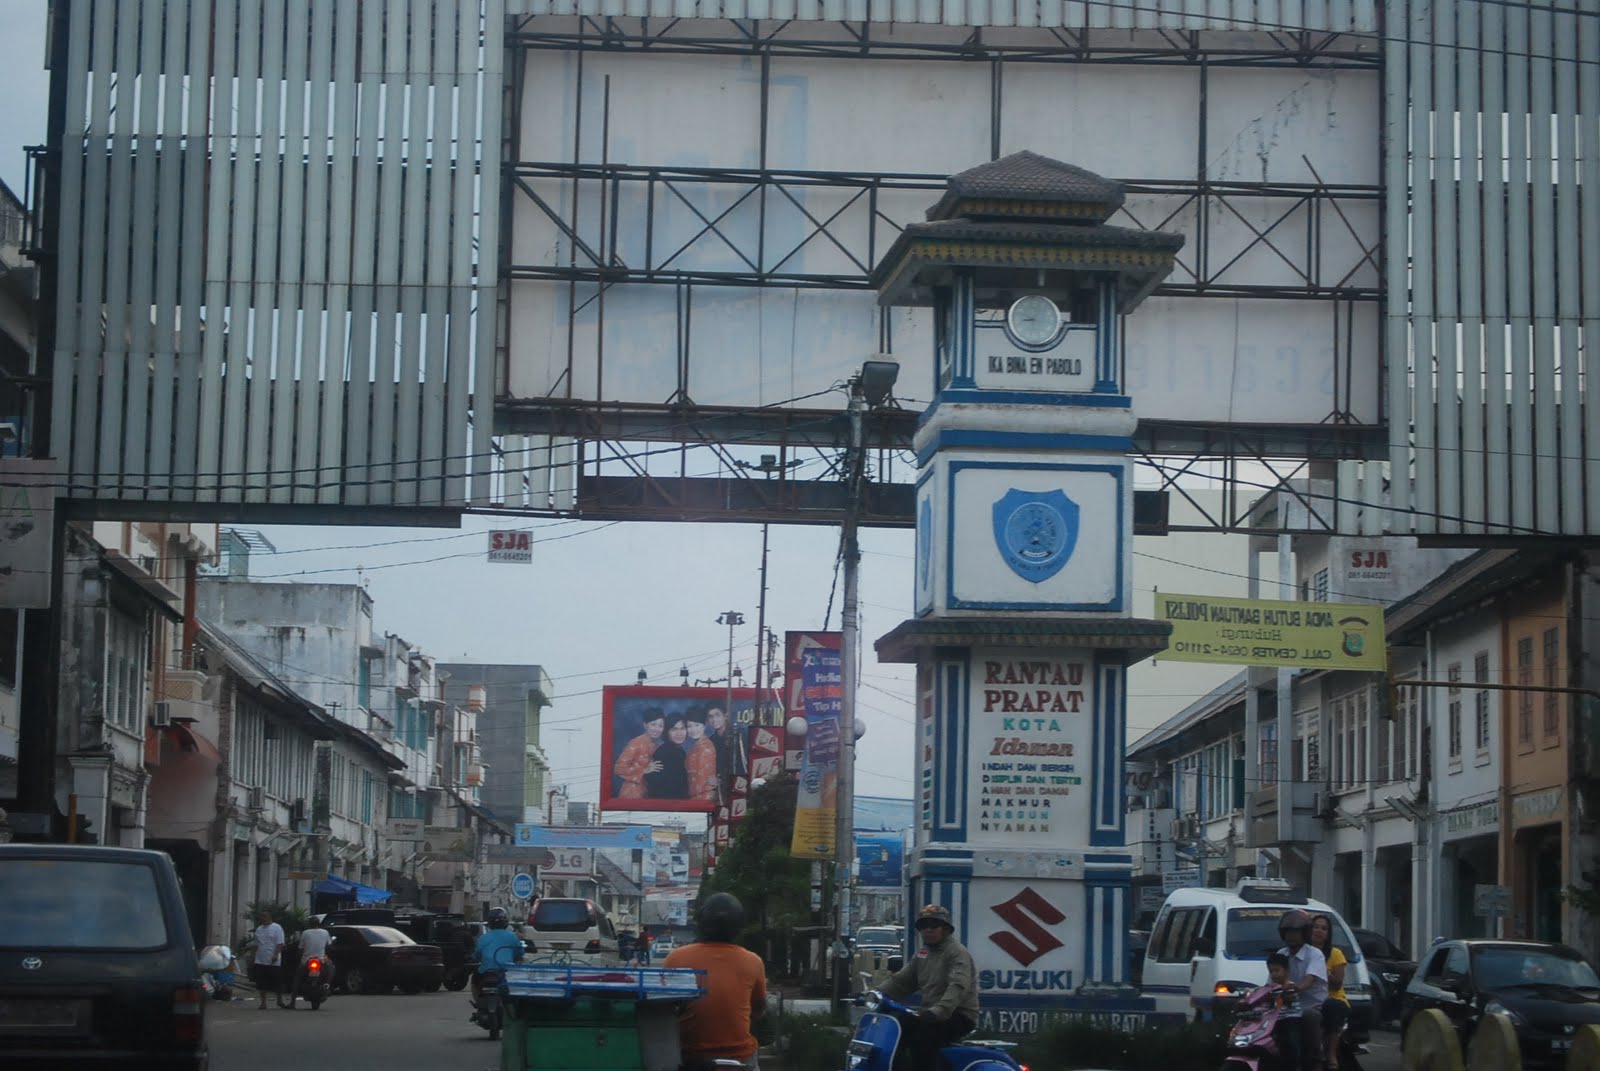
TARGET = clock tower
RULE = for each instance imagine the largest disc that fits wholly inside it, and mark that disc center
(1024, 627)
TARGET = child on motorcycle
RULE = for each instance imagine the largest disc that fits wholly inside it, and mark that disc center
(1290, 1029)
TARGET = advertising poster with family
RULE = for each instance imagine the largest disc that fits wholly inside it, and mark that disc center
(668, 749)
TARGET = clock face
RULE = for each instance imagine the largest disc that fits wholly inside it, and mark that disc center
(1033, 320)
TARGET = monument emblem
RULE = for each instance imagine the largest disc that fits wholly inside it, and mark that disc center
(1036, 532)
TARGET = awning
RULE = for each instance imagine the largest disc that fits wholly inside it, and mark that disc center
(189, 742)
(351, 890)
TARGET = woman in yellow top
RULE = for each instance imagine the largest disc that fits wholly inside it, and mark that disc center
(1336, 1012)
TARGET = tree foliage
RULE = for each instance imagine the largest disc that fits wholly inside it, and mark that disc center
(773, 886)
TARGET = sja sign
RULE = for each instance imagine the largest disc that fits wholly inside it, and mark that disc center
(511, 545)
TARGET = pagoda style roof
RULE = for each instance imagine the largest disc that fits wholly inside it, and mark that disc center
(1137, 638)
(1027, 184)
(1018, 220)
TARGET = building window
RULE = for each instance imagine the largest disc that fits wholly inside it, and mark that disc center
(126, 659)
(1349, 728)
(1525, 698)
(1268, 770)
(1319, 585)
(1552, 679)
(1454, 720)
(1307, 746)
(364, 684)
(366, 797)
(1480, 701)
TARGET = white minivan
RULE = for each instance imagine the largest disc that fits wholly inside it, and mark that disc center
(1209, 947)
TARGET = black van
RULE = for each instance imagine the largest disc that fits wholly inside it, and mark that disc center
(97, 965)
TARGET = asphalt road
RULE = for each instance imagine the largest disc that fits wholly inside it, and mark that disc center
(427, 1032)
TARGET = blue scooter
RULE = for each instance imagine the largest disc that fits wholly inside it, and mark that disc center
(878, 1034)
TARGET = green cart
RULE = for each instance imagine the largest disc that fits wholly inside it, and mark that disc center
(574, 1018)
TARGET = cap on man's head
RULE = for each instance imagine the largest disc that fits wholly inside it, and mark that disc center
(935, 915)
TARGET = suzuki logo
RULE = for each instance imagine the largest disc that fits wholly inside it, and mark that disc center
(1030, 940)
(32, 963)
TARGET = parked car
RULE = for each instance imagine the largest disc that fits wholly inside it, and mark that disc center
(1209, 948)
(375, 959)
(1390, 970)
(571, 928)
(97, 964)
(1546, 990)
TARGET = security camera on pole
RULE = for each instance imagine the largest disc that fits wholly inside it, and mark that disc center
(1024, 630)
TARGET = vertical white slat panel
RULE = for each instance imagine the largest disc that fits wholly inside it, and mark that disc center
(196, 245)
(463, 183)
(432, 448)
(386, 298)
(1517, 270)
(1426, 168)
(1568, 236)
(349, 101)
(136, 442)
(294, 316)
(68, 296)
(1469, 266)
(413, 263)
(488, 253)
(1316, 14)
(167, 337)
(1447, 407)
(563, 474)
(244, 225)
(91, 333)
(1543, 239)
(1496, 293)
(1366, 16)
(1397, 251)
(1291, 14)
(904, 10)
(1339, 16)
(356, 420)
(265, 306)
(1269, 15)
(1588, 194)
(224, 145)
(118, 238)
(314, 240)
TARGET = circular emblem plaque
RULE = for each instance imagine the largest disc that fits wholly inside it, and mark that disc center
(1036, 533)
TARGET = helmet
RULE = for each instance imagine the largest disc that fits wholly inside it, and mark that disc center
(498, 919)
(720, 918)
(1295, 920)
(935, 915)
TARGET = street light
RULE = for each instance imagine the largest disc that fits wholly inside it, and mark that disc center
(731, 618)
(683, 675)
(643, 676)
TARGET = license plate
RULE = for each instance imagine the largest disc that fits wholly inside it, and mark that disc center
(29, 1015)
(1561, 1045)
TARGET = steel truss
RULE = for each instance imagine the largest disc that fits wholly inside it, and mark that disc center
(1292, 230)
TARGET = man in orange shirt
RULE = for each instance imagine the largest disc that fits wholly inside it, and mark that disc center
(717, 1026)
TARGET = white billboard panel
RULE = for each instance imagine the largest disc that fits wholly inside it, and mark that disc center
(1271, 135)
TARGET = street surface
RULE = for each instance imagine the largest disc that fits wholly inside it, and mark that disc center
(426, 1032)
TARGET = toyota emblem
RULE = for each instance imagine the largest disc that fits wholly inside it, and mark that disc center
(32, 963)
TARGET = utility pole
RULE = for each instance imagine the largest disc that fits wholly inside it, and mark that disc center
(849, 652)
(730, 618)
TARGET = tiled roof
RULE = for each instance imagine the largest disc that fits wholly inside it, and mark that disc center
(1027, 176)
(1138, 636)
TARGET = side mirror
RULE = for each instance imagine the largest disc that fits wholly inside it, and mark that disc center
(1457, 984)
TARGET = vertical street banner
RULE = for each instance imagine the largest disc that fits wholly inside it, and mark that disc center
(816, 693)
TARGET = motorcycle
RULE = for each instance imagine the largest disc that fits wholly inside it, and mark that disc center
(310, 982)
(1251, 1042)
(878, 1035)
(487, 1011)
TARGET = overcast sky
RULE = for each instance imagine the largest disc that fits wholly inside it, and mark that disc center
(600, 602)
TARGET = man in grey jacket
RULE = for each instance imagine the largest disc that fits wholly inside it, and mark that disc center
(943, 972)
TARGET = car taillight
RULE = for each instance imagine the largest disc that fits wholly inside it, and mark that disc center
(313, 966)
(592, 946)
(188, 1010)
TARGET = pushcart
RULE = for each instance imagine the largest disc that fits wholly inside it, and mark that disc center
(581, 1018)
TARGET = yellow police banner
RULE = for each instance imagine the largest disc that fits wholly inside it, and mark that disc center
(1269, 632)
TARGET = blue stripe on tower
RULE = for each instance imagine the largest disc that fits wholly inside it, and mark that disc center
(948, 789)
(962, 340)
(1106, 349)
(1091, 930)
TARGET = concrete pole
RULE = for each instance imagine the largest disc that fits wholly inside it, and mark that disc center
(849, 655)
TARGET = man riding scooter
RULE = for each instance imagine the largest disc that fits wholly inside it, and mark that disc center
(497, 946)
(943, 972)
